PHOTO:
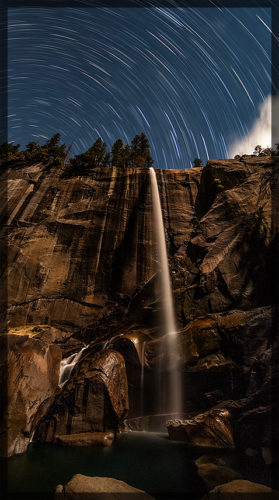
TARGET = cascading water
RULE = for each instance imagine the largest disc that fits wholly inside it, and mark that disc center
(67, 366)
(170, 396)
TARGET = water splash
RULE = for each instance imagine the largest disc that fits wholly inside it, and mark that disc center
(169, 387)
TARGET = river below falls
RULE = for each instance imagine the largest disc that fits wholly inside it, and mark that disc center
(146, 460)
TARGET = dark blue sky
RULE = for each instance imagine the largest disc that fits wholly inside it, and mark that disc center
(193, 79)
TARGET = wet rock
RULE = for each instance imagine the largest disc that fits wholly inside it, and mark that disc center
(212, 428)
(86, 439)
(95, 399)
(215, 471)
(82, 487)
(242, 490)
(32, 371)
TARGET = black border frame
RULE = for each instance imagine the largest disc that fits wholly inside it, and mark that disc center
(274, 5)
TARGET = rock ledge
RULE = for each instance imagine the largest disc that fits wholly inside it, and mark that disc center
(85, 439)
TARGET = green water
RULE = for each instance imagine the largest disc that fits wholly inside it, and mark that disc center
(149, 461)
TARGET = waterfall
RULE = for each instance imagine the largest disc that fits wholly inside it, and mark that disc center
(170, 393)
(67, 366)
(142, 377)
(32, 436)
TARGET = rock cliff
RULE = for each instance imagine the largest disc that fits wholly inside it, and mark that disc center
(82, 262)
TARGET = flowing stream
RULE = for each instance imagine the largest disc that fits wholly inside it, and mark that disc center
(169, 386)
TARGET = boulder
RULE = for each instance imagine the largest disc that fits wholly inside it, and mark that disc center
(86, 439)
(95, 398)
(215, 471)
(82, 487)
(241, 489)
(212, 428)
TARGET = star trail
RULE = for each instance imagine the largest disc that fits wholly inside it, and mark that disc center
(192, 79)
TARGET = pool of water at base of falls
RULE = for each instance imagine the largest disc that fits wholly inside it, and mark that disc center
(145, 460)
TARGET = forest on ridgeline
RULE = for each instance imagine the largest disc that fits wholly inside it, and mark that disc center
(137, 154)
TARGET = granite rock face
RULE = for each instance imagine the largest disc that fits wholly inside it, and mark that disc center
(82, 260)
(86, 244)
(81, 249)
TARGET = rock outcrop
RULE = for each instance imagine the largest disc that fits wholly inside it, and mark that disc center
(81, 487)
(32, 371)
(95, 399)
(212, 428)
(86, 439)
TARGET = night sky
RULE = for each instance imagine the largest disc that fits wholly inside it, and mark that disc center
(195, 80)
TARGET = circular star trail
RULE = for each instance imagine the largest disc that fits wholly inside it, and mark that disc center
(192, 79)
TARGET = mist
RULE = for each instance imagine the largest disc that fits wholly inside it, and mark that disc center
(264, 131)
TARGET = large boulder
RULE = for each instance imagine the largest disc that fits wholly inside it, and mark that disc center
(214, 471)
(31, 369)
(95, 398)
(82, 487)
(212, 428)
(241, 489)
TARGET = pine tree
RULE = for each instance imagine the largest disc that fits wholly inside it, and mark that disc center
(125, 156)
(197, 162)
(53, 152)
(34, 153)
(95, 156)
(9, 151)
(117, 153)
(258, 150)
(140, 153)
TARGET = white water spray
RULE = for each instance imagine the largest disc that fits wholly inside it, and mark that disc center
(67, 366)
(169, 338)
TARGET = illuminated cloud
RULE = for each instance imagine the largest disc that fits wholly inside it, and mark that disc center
(264, 131)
